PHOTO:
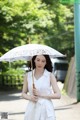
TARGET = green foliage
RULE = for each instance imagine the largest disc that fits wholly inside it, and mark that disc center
(12, 78)
(21, 20)
(42, 21)
(15, 72)
(61, 35)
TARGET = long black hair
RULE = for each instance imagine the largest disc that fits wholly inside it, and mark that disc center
(48, 65)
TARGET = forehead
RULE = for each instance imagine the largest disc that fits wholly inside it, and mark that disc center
(40, 57)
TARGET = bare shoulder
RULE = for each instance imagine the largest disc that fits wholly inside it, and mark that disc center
(52, 77)
(54, 84)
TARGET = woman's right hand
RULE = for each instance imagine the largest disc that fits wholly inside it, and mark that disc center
(33, 98)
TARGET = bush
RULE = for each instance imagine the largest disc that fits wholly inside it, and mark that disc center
(12, 78)
(13, 71)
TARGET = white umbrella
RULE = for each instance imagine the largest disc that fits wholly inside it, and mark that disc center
(26, 52)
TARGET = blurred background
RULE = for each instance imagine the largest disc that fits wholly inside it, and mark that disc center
(31, 21)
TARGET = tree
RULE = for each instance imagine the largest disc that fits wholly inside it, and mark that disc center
(40, 21)
(61, 34)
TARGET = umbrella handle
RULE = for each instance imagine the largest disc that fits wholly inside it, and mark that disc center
(34, 86)
(33, 76)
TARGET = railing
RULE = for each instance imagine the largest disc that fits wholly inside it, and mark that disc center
(12, 81)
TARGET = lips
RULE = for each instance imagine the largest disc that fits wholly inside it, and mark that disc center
(39, 66)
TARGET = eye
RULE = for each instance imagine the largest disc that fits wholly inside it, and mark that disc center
(43, 61)
(38, 59)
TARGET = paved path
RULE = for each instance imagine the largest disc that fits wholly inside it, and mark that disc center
(65, 109)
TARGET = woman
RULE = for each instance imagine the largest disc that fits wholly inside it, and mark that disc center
(40, 106)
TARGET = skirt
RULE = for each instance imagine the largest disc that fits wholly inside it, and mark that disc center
(41, 110)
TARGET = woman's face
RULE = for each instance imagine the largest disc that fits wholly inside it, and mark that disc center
(40, 61)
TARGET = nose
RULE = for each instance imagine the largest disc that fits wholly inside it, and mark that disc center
(40, 63)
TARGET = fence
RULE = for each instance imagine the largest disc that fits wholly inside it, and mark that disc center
(11, 81)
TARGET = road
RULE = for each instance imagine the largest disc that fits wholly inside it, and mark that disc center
(66, 108)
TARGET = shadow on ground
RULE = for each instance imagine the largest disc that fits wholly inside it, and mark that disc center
(10, 95)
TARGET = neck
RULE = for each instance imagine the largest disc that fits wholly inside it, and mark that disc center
(39, 71)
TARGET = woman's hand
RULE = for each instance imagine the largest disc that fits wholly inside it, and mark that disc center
(34, 98)
(36, 92)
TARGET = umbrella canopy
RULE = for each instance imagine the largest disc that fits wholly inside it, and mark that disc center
(26, 52)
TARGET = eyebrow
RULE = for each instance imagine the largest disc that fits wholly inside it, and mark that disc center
(41, 59)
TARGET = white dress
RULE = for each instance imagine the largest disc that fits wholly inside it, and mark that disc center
(43, 109)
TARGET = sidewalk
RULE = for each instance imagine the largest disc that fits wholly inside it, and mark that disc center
(65, 109)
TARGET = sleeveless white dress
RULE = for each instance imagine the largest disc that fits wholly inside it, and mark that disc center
(43, 109)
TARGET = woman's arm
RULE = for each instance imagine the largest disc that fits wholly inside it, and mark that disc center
(25, 91)
(56, 92)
